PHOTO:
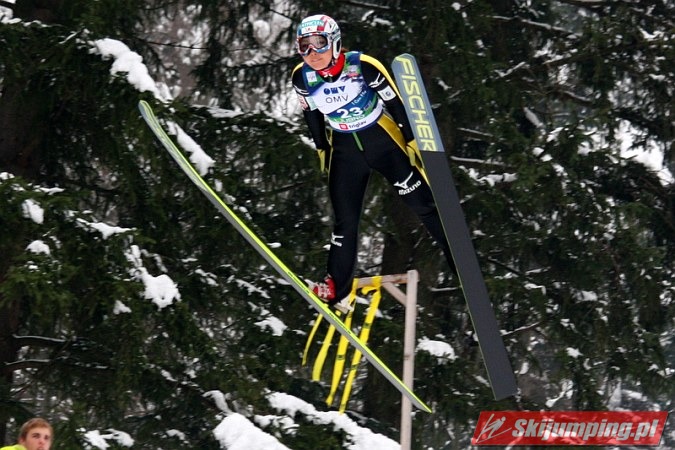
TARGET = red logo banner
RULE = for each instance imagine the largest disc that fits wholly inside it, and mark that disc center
(569, 428)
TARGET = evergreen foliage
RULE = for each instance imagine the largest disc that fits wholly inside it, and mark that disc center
(539, 104)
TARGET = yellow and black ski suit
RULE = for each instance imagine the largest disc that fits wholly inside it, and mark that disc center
(367, 130)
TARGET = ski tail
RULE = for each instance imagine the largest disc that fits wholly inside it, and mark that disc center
(272, 259)
(435, 161)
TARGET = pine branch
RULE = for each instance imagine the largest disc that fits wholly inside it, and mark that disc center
(479, 136)
(594, 5)
(39, 341)
(589, 4)
(37, 363)
(174, 45)
(366, 5)
(537, 25)
(27, 364)
(523, 329)
(635, 6)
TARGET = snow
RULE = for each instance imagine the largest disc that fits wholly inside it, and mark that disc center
(274, 324)
(6, 13)
(38, 247)
(361, 438)
(239, 432)
(566, 390)
(198, 156)
(532, 286)
(491, 179)
(120, 308)
(177, 434)
(586, 296)
(442, 350)
(129, 63)
(236, 432)
(573, 352)
(648, 155)
(97, 440)
(219, 399)
(532, 117)
(161, 290)
(31, 210)
(103, 228)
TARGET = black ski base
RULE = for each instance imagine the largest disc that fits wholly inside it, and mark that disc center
(482, 315)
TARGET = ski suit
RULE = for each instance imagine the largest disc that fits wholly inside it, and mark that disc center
(367, 130)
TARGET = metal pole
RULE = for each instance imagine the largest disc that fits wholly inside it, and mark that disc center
(409, 301)
(409, 357)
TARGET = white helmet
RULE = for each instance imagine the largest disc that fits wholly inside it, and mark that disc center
(321, 25)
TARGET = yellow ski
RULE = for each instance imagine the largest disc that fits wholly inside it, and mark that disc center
(271, 258)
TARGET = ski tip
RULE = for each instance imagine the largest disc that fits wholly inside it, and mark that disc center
(405, 56)
(424, 407)
(506, 392)
(415, 400)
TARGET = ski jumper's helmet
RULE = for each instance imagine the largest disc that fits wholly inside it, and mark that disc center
(321, 25)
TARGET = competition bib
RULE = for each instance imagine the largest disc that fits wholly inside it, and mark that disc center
(348, 103)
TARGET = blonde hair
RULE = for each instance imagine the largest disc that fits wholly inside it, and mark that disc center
(36, 422)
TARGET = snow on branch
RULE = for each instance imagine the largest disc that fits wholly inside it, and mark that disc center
(40, 341)
(506, 73)
(537, 25)
(566, 93)
(27, 364)
(634, 6)
(478, 135)
(367, 5)
(587, 3)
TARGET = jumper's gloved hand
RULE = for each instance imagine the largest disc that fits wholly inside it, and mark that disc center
(324, 159)
(413, 152)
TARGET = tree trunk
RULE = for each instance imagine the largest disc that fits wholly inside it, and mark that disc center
(46, 11)
(399, 248)
(20, 141)
(9, 323)
(20, 102)
(20, 145)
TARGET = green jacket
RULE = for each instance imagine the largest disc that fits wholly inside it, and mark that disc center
(14, 447)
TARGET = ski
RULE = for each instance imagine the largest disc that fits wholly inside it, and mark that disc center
(434, 160)
(271, 258)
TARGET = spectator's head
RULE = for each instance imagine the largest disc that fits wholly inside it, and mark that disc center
(36, 434)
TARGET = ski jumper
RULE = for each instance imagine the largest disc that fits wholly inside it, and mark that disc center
(367, 130)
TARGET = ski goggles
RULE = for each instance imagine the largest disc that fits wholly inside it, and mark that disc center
(317, 42)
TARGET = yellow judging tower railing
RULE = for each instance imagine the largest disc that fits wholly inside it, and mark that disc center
(371, 286)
